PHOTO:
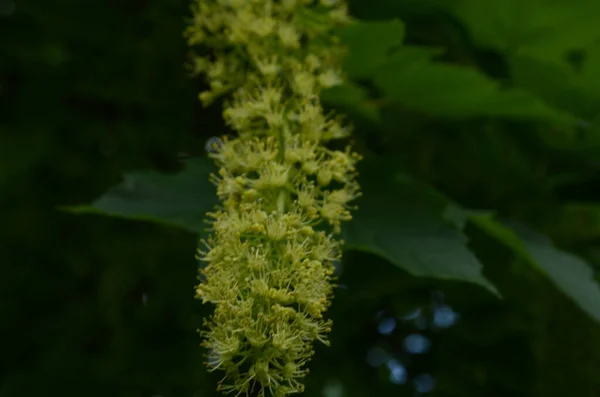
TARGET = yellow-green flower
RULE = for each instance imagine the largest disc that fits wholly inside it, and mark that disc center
(269, 260)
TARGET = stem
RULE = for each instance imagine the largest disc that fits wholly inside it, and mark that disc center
(281, 199)
(283, 194)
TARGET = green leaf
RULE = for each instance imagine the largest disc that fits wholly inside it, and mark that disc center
(180, 199)
(410, 76)
(412, 79)
(369, 44)
(542, 29)
(572, 275)
(502, 233)
(588, 77)
(558, 84)
(385, 9)
(402, 221)
(352, 98)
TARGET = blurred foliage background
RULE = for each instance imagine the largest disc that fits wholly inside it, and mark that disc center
(475, 118)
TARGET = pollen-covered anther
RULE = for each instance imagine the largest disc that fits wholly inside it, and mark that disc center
(273, 175)
(277, 229)
(268, 65)
(287, 313)
(250, 195)
(283, 339)
(341, 196)
(335, 130)
(306, 231)
(257, 339)
(263, 26)
(229, 346)
(257, 262)
(330, 78)
(304, 83)
(259, 287)
(292, 157)
(256, 228)
(288, 35)
(260, 370)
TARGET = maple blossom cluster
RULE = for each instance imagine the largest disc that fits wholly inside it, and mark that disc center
(283, 192)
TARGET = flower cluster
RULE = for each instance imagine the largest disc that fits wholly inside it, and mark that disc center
(284, 193)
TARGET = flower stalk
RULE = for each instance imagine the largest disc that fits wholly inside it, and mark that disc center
(283, 191)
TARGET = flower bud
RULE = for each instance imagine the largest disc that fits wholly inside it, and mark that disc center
(324, 177)
(310, 167)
